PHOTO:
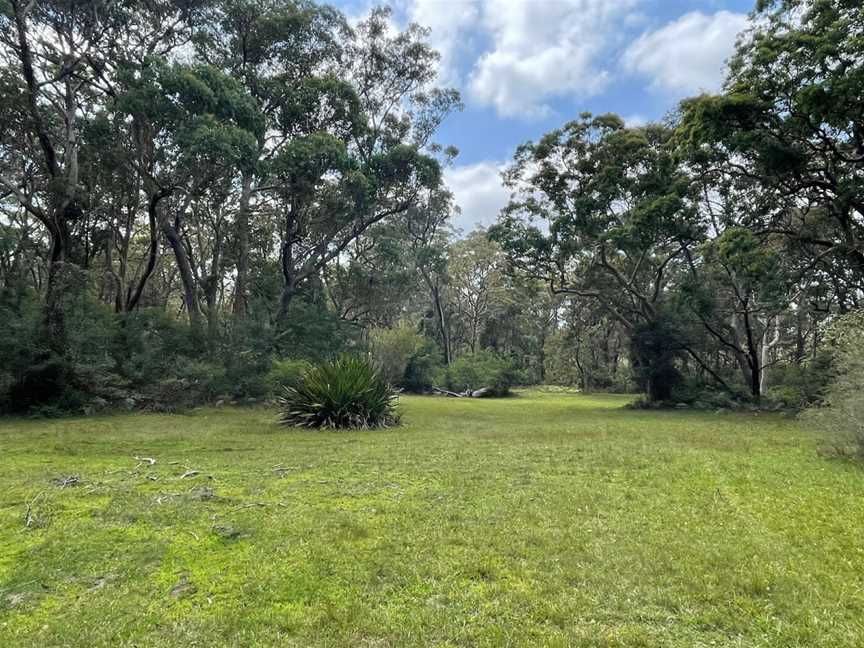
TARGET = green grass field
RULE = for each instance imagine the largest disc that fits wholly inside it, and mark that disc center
(547, 519)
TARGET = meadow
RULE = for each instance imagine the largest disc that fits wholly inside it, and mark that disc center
(546, 519)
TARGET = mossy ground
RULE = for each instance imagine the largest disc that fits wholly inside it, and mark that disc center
(548, 519)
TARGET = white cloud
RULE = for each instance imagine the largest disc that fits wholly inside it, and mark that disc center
(635, 121)
(479, 192)
(517, 55)
(687, 55)
(452, 25)
(543, 50)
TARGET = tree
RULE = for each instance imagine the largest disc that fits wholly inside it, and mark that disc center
(288, 56)
(618, 218)
(192, 126)
(476, 272)
(50, 55)
(790, 118)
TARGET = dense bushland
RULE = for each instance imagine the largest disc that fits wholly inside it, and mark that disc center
(192, 224)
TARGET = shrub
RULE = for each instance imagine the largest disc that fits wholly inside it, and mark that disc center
(392, 350)
(785, 396)
(804, 384)
(654, 348)
(45, 384)
(841, 415)
(284, 373)
(483, 369)
(191, 382)
(347, 392)
(422, 367)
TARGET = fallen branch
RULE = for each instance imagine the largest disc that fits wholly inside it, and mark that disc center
(71, 480)
(448, 393)
(29, 518)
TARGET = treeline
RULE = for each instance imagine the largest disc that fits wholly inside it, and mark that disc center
(723, 242)
(196, 197)
(179, 179)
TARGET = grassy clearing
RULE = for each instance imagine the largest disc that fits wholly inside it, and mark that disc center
(547, 519)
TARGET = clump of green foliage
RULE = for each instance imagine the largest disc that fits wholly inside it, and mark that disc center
(392, 350)
(405, 358)
(285, 372)
(841, 415)
(485, 369)
(347, 392)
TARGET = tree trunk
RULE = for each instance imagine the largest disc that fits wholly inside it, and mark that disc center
(435, 291)
(153, 249)
(288, 292)
(59, 269)
(187, 277)
(241, 297)
(766, 351)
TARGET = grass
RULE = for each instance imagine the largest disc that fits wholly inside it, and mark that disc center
(544, 520)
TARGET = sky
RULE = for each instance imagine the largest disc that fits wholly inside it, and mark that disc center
(525, 67)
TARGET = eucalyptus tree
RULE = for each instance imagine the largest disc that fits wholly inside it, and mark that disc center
(605, 212)
(49, 54)
(427, 231)
(349, 114)
(287, 56)
(192, 127)
(59, 62)
(476, 269)
(367, 155)
(791, 119)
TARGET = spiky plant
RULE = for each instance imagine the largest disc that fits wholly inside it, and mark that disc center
(347, 392)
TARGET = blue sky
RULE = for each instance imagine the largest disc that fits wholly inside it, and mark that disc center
(526, 66)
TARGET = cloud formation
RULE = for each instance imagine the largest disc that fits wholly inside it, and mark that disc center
(544, 50)
(479, 192)
(688, 55)
(520, 56)
(453, 28)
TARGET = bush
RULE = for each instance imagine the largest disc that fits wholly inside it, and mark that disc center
(284, 373)
(841, 415)
(191, 382)
(483, 369)
(785, 396)
(392, 350)
(654, 348)
(44, 385)
(344, 393)
(422, 367)
(801, 385)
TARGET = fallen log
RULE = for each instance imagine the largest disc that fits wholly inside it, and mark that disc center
(447, 393)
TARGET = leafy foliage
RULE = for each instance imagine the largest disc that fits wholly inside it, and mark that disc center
(345, 393)
(393, 349)
(841, 416)
(484, 369)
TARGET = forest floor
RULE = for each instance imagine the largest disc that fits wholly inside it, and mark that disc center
(547, 519)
